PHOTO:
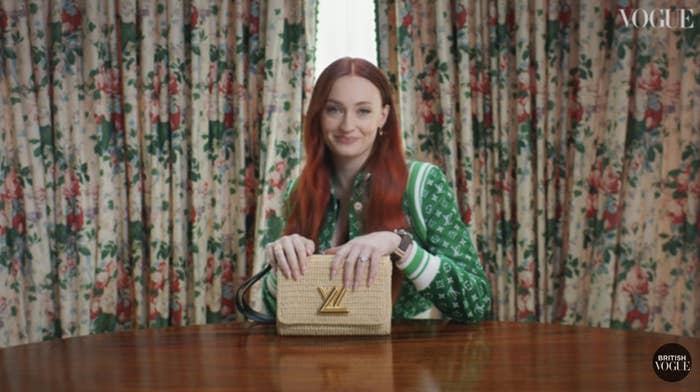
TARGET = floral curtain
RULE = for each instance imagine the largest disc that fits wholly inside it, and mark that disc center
(572, 141)
(134, 139)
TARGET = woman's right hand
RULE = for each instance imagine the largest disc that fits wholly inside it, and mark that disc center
(290, 254)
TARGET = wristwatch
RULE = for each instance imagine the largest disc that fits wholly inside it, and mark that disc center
(400, 251)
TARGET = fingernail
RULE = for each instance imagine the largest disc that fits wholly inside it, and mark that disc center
(355, 286)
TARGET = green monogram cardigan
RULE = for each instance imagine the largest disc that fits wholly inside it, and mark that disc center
(444, 277)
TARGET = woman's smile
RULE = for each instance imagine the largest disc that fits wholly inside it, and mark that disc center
(345, 139)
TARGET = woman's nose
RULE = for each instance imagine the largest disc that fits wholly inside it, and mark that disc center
(348, 122)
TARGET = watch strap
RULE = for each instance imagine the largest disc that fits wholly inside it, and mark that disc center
(400, 251)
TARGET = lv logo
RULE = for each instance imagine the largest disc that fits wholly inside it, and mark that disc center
(332, 300)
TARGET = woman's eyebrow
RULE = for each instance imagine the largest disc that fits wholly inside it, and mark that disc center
(330, 100)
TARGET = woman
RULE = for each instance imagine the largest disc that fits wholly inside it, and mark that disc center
(355, 194)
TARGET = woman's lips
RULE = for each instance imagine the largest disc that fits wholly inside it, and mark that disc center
(345, 139)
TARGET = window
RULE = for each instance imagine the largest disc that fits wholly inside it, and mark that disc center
(345, 28)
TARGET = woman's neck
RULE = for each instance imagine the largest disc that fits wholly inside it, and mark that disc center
(345, 173)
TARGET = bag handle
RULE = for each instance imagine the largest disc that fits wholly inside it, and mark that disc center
(242, 302)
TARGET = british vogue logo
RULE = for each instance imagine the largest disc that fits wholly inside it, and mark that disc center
(658, 18)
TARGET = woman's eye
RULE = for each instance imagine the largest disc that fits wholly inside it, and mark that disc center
(364, 112)
(332, 110)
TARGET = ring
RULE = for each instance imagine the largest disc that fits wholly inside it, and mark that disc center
(363, 259)
(277, 247)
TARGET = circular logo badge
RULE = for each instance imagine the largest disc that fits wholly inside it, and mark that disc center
(671, 362)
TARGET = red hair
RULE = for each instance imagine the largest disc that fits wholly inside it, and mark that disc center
(308, 202)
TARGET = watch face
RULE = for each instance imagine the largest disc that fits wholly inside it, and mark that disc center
(403, 233)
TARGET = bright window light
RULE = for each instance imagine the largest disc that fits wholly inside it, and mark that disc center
(345, 28)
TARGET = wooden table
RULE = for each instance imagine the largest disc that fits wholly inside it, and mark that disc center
(419, 355)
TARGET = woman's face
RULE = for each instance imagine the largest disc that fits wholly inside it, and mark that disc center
(350, 118)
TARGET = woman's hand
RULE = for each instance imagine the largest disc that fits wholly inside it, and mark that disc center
(290, 254)
(360, 253)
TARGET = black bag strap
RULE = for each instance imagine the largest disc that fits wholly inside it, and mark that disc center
(242, 301)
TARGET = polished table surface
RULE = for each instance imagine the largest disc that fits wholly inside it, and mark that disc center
(419, 355)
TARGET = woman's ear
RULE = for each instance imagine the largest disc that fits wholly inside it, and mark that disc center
(385, 115)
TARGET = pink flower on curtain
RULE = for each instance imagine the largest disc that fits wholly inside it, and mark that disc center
(3, 223)
(695, 188)
(194, 15)
(193, 215)
(565, 15)
(637, 319)
(407, 20)
(13, 187)
(3, 20)
(467, 216)
(123, 277)
(460, 16)
(594, 179)
(107, 81)
(637, 282)
(611, 181)
(71, 188)
(651, 79)
(123, 310)
(576, 112)
(19, 223)
(157, 281)
(75, 220)
(118, 121)
(278, 176)
(70, 18)
(253, 24)
(653, 116)
(523, 116)
(526, 277)
(174, 281)
(611, 218)
(211, 77)
(101, 280)
(95, 308)
(209, 270)
(173, 86)
(154, 112)
(175, 117)
(226, 83)
(591, 205)
(676, 211)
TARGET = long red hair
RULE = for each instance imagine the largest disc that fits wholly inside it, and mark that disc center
(308, 201)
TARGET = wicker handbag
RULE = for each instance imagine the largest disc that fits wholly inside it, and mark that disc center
(315, 305)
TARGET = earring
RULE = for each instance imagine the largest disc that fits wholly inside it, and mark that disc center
(380, 130)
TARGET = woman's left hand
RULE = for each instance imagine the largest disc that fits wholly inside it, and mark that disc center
(360, 253)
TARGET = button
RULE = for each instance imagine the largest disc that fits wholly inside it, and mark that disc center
(358, 206)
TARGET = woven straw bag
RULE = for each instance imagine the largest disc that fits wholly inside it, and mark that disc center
(315, 305)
